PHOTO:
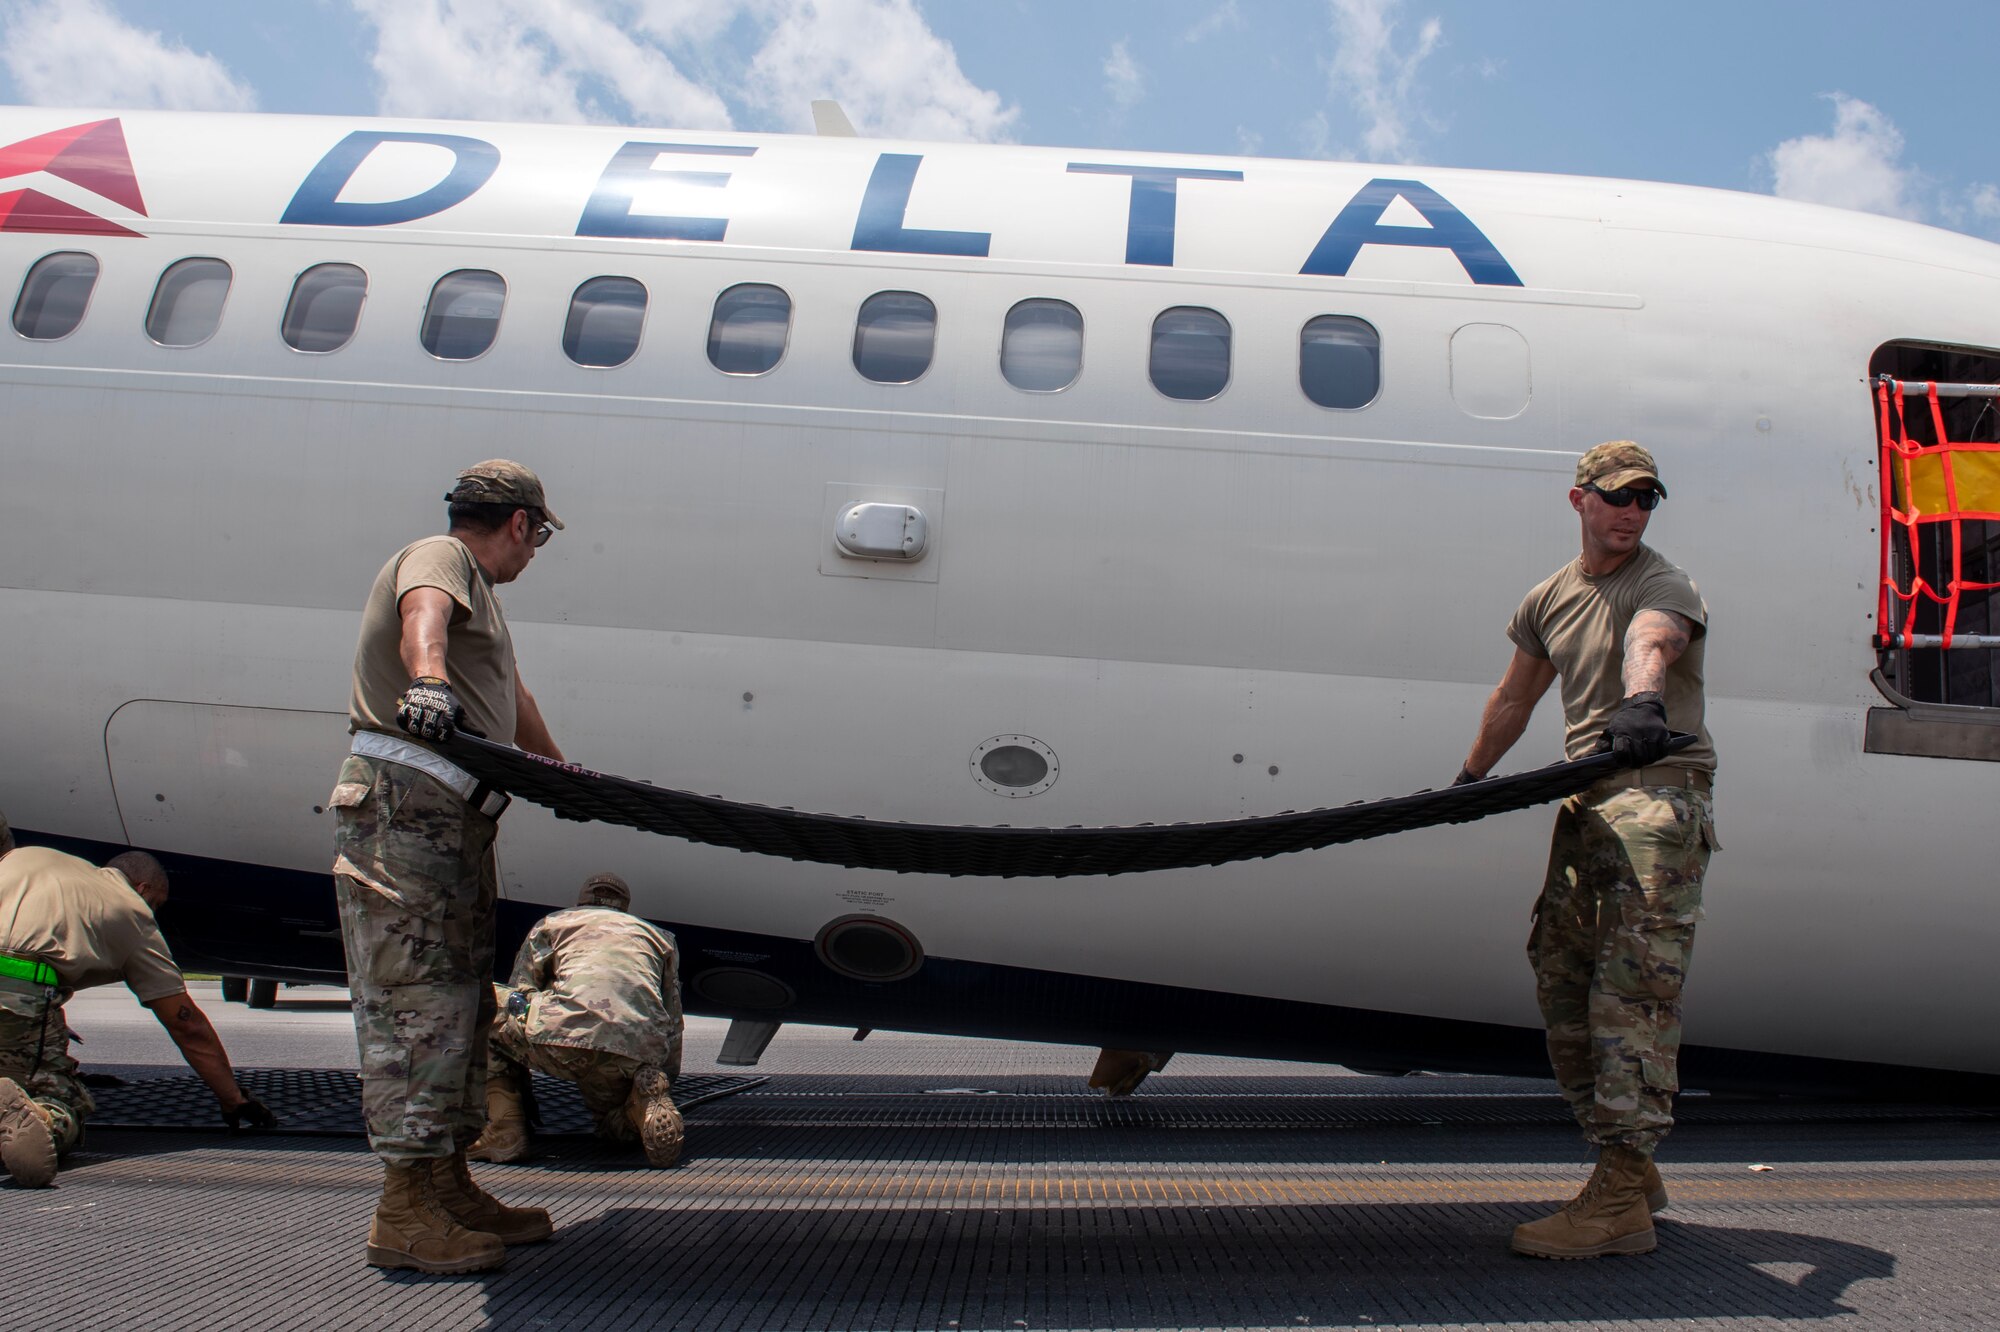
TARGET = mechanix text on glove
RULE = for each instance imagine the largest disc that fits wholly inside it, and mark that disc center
(428, 709)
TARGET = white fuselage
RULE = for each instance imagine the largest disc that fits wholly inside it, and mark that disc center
(1204, 609)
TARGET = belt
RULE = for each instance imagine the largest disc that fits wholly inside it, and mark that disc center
(488, 800)
(27, 969)
(1694, 779)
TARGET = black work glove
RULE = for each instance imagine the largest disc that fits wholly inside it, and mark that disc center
(1465, 778)
(428, 709)
(1637, 733)
(253, 1112)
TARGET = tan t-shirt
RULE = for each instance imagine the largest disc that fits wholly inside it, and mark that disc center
(85, 922)
(1578, 622)
(478, 654)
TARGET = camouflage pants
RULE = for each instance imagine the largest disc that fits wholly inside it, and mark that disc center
(1613, 932)
(34, 1052)
(603, 1079)
(416, 882)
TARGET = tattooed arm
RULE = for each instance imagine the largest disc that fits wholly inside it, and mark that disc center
(200, 1046)
(1654, 641)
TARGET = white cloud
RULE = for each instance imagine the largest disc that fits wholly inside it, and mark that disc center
(81, 53)
(877, 58)
(667, 62)
(1857, 166)
(544, 60)
(1248, 141)
(1124, 82)
(1378, 80)
(1225, 15)
(1984, 202)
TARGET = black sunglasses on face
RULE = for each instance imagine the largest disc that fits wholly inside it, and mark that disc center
(1647, 500)
(539, 530)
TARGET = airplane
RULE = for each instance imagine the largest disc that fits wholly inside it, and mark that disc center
(980, 485)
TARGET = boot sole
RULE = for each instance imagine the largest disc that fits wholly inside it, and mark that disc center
(1624, 1245)
(395, 1258)
(662, 1132)
(30, 1154)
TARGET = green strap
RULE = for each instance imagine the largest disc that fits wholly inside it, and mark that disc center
(20, 968)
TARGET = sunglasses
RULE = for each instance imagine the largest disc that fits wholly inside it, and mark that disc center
(541, 533)
(1625, 496)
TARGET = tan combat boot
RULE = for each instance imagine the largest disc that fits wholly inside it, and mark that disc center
(476, 1209)
(506, 1135)
(411, 1229)
(27, 1147)
(1609, 1216)
(1655, 1187)
(653, 1112)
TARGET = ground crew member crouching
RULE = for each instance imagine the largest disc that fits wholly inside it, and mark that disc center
(594, 999)
(414, 872)
(1624, 630)
(66, 925)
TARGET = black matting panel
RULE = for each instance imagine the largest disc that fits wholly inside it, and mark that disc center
(918, 848)
(327, 1102)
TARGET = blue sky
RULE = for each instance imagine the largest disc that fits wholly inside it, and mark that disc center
(1834, 101)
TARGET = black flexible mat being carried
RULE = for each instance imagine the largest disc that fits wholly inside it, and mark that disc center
(920, 848)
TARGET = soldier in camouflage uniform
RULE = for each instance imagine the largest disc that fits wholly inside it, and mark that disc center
(414, 872)
(594, 999)
(66, 925)
(1624, 630)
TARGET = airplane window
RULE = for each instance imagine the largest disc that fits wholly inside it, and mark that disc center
(55, 295)
(747, 332)
(464, 314)
(187, 303)
(606, 316)
(894, 335)
(1041, 348)
(1190, 353)
(324, 308)
(1340, 361)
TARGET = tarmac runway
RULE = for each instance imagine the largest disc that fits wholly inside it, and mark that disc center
(936, 1183)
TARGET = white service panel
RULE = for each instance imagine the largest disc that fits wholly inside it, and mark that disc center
(242, 784)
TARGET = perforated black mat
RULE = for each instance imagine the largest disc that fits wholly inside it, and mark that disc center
(326, 1102)
(918, 848)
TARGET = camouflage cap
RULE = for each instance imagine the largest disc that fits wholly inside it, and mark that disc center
(604, 889)
(1615, 463)
(498, 481)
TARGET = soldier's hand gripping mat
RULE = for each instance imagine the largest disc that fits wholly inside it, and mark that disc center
(919, 848)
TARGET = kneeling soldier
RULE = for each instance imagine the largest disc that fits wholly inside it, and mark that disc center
(594, 999)
(66, 925)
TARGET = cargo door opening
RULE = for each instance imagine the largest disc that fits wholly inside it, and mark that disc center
(1937, 639)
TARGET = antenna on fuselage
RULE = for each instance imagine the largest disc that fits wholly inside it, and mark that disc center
(830, 122)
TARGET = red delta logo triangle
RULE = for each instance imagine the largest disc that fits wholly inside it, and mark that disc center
(91, 156)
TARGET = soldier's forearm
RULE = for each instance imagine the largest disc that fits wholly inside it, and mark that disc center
(202, 1048)
(530, 731)
(1499, 727)
(1654, 641)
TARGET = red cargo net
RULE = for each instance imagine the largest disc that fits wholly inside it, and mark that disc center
(1928, 485)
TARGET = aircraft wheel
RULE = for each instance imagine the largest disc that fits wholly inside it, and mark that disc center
(263, 994)
(235, 989)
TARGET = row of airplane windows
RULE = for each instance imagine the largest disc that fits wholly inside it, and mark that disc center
(895, 332)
